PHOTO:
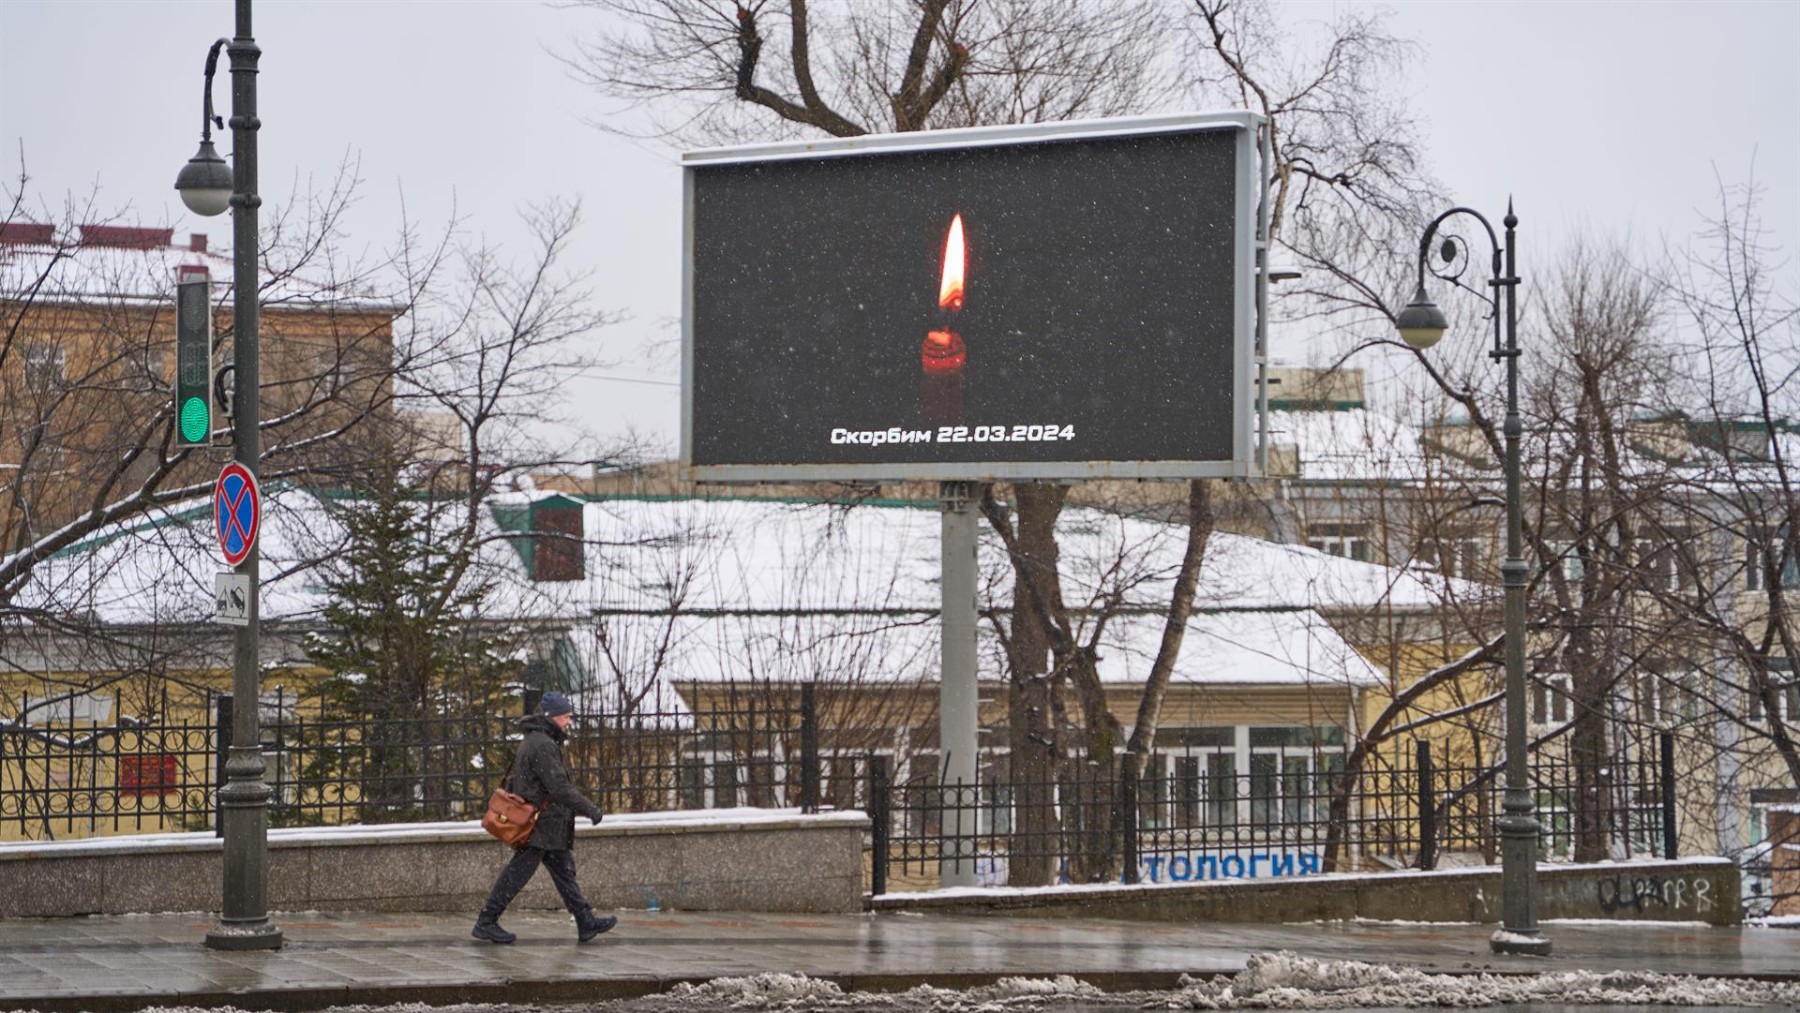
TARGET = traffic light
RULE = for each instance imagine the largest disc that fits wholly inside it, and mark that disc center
(193, 360)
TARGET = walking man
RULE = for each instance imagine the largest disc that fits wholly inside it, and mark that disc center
(540, 776)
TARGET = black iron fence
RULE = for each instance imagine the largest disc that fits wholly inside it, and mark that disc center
(325, 768)
(1194, 817)
(1284, 807)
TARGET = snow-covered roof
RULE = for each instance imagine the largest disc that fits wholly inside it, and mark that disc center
(138, 266)
(728, 554)
(160, 568)
(1288, 647)
(707, 590)
(1348, 445)
(1361, 446)
(720, 555)
(1238, 648)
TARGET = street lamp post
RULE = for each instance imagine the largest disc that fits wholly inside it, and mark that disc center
(1421, 324)
(244, 800)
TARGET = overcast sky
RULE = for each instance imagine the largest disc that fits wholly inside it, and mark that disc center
(1614, 117)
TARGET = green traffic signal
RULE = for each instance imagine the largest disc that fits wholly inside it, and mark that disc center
(193, 361)
(196, 420)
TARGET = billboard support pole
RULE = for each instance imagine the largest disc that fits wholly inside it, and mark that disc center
(957, 697)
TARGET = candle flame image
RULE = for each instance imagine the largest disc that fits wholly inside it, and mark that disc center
(950, 290)
(943, 351)
(943, 354)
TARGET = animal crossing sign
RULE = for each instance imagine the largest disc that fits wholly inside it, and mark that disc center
(237, 512)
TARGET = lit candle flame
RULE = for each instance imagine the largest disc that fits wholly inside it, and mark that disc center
(950, 290)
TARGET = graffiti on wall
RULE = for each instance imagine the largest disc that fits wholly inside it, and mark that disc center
(1661, 894)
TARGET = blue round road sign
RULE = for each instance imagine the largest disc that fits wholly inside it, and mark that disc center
(237, 512)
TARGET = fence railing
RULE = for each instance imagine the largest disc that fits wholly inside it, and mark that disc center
(1202, 820)
(324, 767)
(1196, 814)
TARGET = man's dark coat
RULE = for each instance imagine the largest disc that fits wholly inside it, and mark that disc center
(540, 776)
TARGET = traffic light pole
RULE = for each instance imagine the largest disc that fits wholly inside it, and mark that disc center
(244, 800)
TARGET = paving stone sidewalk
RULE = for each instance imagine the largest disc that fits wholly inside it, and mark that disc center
(131, 962)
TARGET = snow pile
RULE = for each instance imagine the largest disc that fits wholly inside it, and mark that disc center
(1285, 980)
(767, 990)
(795, 993)
(1060, 986)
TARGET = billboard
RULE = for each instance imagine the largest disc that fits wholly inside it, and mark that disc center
(1049, 301)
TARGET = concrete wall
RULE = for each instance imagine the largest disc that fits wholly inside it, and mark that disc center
(1700, 889)
(747, 860)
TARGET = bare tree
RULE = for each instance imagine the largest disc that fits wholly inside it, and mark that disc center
(1346, 169)
(1737, 699)
(437, 364)
(86, 352)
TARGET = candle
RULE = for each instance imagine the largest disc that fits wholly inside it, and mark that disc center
(943, 354)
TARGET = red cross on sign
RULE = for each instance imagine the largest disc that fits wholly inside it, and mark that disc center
(237, 512)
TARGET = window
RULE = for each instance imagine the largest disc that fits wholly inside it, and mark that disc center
(1664, 699)
(838, 781)
(1664, 562)
(1758, 550)
(1348, 540)
(1786, 691)
(1185, 798)
(44, 368)
(1290, 767)
(726, 776)
(1458, 556)
(329, 371)
(1550, 699)
(1221, 788)
(923, 799)
(80, 709)
(690, 784)
(1569, 556)
(996, 815)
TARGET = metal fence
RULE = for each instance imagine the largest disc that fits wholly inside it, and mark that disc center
(324, 767)
(1197, 818)
(1291, 810)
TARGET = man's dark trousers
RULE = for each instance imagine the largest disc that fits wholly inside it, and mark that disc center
(519, 871)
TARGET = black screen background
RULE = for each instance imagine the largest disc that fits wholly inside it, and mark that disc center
(1099, 295)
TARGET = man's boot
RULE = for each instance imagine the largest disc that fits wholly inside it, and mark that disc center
(587, 925)
(488, 927)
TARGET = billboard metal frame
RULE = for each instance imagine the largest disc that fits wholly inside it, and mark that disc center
(1252, 158)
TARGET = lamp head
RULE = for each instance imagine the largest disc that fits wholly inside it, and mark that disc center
(205, 182)
(1421, 323)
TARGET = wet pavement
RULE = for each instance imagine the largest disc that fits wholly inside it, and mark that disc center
(130, 962)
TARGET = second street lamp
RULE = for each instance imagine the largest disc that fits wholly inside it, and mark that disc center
(244, 800)
(1421, 324)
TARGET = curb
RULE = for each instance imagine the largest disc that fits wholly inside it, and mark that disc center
(301, 999)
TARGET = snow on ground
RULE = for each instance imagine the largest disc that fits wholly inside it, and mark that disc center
(1272, 981)
(1287, 981)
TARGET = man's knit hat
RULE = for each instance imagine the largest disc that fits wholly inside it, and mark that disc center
(554, 703)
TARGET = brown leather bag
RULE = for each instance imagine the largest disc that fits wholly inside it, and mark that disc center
(509, 817)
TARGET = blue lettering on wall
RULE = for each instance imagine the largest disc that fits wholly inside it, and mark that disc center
(1184, 868)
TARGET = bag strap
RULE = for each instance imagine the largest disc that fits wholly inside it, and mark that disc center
(513, 773)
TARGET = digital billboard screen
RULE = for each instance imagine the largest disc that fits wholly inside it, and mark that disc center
(1062, 302)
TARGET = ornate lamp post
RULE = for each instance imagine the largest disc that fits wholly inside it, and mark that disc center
(207, 188)
(1421, 324)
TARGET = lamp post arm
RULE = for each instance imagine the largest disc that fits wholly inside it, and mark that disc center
(207, 117)
(1431, 233)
